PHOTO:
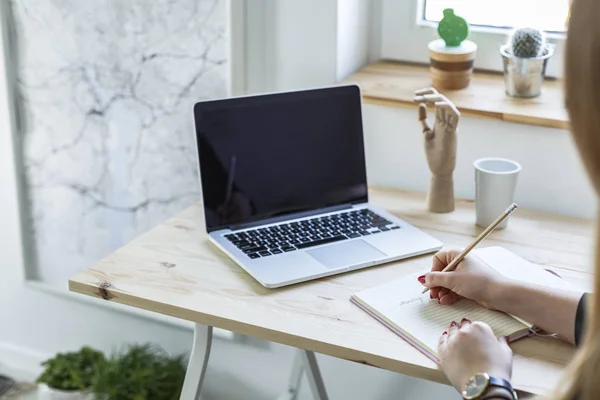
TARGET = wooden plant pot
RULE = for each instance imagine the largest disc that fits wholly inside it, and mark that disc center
(451, 67)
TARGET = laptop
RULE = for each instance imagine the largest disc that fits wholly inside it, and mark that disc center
(284, 187)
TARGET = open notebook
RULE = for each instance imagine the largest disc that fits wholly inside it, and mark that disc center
(401, 307)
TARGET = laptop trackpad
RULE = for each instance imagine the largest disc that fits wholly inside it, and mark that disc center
(345, 254)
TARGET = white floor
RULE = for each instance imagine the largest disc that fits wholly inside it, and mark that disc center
(259, 370)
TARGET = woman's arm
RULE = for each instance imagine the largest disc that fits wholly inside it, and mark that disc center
(552, 310)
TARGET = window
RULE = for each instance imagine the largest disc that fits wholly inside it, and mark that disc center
(407, 27)
(551, 17)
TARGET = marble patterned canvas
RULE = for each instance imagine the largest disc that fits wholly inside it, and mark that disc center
(106, 93)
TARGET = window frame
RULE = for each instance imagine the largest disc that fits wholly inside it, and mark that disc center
(405, 36)
(11, 187)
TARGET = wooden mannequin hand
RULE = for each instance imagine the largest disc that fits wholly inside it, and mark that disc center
(440, 142)
(440, 147)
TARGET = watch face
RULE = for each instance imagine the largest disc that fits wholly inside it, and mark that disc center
(476, 386)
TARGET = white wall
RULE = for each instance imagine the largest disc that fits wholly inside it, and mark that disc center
(305, 43)
(300, 44)
(293, 44)
(353, 17)
(552, 178)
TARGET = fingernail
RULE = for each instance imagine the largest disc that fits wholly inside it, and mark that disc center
(464, 320)
(430, 295)
(445, 333)
(439, 301)
(453, 323)
(421, 279)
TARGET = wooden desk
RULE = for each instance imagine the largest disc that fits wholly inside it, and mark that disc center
(174, 270)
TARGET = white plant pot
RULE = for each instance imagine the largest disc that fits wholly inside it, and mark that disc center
(48, 393)
(524, 77)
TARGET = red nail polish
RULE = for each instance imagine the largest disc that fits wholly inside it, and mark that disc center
(445, 333)
(453, 323)
(439, 301)
(421, 279)
(464, 320)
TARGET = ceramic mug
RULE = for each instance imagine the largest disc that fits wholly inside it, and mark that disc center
(495, 184)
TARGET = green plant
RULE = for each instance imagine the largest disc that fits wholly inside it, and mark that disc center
(72, 371)
(527, 42)
(452, 28)
(142, 372)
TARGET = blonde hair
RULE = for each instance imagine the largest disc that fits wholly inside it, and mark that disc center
(582, 98)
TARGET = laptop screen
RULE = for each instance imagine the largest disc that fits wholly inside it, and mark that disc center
(276, 154)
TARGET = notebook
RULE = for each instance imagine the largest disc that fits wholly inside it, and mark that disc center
(401, 307)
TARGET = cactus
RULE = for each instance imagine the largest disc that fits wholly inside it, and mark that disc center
(528, 43)
(452, 28)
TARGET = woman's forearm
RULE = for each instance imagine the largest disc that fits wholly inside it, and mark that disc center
(551, 310)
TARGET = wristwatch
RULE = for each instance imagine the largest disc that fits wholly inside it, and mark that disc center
(479, 384)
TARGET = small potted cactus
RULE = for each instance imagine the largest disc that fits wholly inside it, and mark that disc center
(452, 56)
(525, 57)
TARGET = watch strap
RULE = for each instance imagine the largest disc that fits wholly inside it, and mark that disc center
(503, 383)
(498, 393)
(500, 383)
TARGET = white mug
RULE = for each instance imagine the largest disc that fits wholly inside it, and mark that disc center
(495, 183)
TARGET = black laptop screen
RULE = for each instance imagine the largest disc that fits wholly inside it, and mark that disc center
(272, 155)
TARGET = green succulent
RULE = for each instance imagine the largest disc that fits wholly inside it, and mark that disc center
(452, 28)
(142, 372)
(73, 371)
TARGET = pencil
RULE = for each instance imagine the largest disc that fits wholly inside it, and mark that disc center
(478, 239)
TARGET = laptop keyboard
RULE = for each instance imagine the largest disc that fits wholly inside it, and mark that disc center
(287, 237)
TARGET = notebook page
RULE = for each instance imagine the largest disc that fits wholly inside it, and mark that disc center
(401, 304)
(511, 265)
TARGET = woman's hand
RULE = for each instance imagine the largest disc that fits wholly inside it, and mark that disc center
(471, 348)
(472, 278)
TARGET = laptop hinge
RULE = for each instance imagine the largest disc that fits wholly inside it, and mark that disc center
(291, 216)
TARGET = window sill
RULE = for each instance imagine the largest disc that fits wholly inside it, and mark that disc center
(391, 83)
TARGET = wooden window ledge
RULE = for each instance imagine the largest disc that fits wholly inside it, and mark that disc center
(391, 83)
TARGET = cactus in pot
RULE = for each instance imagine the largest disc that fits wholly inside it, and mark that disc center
(452, 56)
(528, 43)
(525, 57)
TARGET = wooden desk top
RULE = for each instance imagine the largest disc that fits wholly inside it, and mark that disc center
(174, 270)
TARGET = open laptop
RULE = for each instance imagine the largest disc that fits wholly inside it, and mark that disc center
(284, 186)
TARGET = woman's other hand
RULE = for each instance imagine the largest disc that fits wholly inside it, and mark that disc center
(469, 348)
(472, 278)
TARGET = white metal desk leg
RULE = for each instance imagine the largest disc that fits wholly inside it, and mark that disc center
(295, 379)
(198, 361)
(313, 375)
